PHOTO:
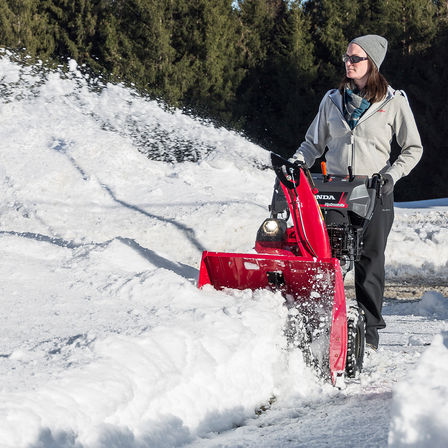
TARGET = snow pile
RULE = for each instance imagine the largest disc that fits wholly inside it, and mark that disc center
(163, 135)
(432, 305)
(205, 369)
(420, 404)
(414, 245)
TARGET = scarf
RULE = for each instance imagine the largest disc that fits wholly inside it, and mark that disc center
(354, 106)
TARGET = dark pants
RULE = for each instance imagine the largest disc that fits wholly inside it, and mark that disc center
(369, 270)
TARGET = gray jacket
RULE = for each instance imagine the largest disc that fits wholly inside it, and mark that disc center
(367, 147)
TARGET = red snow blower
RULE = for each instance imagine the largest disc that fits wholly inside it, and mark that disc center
(307, 261)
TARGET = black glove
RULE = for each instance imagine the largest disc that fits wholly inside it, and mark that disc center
(388, 185)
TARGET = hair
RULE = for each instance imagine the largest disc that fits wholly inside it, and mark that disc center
(376, 87)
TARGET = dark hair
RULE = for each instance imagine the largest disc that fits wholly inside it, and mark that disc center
(376, 87)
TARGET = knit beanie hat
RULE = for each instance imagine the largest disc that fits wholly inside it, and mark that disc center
(375, 47)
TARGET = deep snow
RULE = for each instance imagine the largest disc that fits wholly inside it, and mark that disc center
(105, 340)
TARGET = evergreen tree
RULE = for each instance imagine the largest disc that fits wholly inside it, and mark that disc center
(295, 74)
(133, 41)
(261, 21)
(6, 29)
(205, 68)
(372, 17)
(332, 28)
(72, 26)
(258, 18)
(412, 24)
(281, 106)
(24, 27)
(222, 72)
(418, 66)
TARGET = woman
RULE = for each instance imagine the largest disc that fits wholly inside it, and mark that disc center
(356, 123)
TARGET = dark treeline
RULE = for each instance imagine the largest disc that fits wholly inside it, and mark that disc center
(260, 67)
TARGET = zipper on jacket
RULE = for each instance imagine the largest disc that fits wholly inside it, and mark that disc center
(352, 146)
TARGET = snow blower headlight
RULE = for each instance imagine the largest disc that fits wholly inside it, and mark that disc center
(272, 229)
(270, 226)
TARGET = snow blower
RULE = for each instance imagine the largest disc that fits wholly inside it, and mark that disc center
(304, 249)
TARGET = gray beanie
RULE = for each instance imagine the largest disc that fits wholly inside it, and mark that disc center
(375, 47)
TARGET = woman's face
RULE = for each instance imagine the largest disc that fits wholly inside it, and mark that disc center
(359, 71)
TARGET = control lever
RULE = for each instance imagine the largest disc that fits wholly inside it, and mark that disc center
(376, 183)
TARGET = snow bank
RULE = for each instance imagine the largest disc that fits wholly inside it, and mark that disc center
(205, 368)
(432, 305)
(420, 403)
(414, 245)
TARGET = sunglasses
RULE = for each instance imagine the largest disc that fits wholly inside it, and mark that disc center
(353, 59)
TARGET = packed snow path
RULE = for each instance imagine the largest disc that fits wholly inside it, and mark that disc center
(105, 341)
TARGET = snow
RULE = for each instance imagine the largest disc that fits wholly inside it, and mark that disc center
(417, 245)
(105, 340)
(420, 406)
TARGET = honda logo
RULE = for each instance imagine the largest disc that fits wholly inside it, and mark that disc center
(325, 197)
